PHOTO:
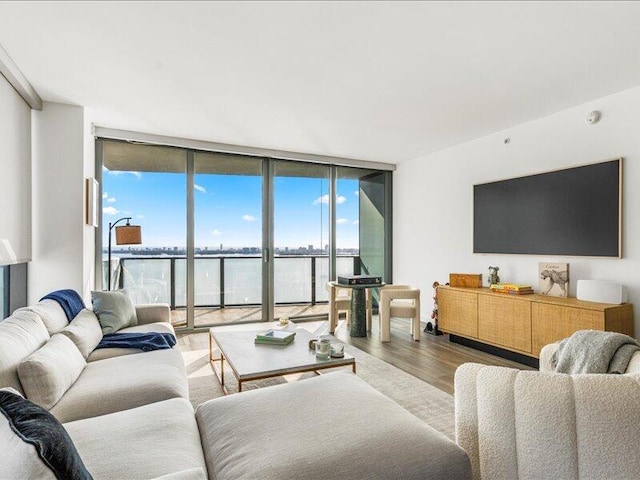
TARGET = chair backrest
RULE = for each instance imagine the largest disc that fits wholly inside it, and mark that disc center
(397, 292)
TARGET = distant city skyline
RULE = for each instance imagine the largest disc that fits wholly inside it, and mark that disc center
(228, 209)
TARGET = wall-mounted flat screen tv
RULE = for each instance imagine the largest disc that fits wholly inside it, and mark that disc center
(575, 211)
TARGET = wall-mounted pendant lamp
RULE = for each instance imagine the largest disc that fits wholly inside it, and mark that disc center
(125, 235)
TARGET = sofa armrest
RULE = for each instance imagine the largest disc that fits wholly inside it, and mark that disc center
(466, 408)
(150, 313)
(546, 354)
(634, 364)
(548, 425)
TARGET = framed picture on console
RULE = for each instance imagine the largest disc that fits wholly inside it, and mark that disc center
(553, 279)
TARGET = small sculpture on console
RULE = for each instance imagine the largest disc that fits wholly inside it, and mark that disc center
(432, 325)
(493, 275)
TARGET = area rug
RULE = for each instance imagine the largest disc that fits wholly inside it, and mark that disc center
(429, 404)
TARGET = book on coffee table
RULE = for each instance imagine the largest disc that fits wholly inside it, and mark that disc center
(275, 337)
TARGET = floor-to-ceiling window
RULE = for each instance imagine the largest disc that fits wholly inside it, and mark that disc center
(236, 238)
(301, 238)
(148, 185)
(363, 223)
(228, 238)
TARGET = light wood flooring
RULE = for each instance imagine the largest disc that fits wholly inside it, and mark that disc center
(433, 359)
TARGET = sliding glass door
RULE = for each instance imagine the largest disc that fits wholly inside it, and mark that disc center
(301, 238)
(228, 239)
(146, 184)
(233, 238)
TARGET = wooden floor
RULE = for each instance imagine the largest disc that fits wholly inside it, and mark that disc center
(433, 359)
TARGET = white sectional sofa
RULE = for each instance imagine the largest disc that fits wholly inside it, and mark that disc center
(128, 414)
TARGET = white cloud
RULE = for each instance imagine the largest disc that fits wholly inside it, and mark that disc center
(342, 221)
(356, 222)
(357, 193)
(118, 172)
(249, 218)
(325, 199)
(200, 188)
(216, 233)
(140, 216)
(111, 199)
(322, 199)
(105, 195)
(110, 211)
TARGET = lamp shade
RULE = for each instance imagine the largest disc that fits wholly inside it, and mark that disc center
(128, 235)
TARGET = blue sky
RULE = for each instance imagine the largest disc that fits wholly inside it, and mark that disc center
(228, 209)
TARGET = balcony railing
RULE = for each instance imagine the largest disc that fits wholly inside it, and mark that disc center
(227, 281)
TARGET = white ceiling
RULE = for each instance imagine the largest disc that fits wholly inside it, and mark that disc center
(384, 81)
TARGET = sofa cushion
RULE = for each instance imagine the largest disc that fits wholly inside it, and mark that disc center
(103, 353)
(84, 331)
(34, 444)
(119, 383)
(145, 442)
(190, 474)
(48, 373)
(51, 313)
(331, 426)
(114, 310)
(20, 335)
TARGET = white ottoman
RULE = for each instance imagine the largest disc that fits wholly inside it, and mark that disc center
(331, 426)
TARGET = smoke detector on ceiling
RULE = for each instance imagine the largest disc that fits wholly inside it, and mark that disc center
(593, 117)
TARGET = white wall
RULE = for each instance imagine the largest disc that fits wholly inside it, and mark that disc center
(62, 244)
(15, 171)
(88, 232)
(433, 197)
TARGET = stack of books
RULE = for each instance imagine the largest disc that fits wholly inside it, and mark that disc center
(512, 288)
(275, 337)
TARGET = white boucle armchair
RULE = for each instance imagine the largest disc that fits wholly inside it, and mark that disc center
(539, 425)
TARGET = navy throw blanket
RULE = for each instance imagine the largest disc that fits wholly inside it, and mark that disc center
(70, 301)
(144, 341)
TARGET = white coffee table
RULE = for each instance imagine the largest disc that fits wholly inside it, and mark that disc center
(250, 361)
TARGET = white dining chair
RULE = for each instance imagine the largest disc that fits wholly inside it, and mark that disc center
(339, 301)
(399, 301)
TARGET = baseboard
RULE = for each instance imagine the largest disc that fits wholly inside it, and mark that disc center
(497, 351)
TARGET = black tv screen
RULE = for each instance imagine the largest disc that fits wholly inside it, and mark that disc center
(575, 211)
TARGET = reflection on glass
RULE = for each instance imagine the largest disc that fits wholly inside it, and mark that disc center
(147, 280)
(360, 225)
